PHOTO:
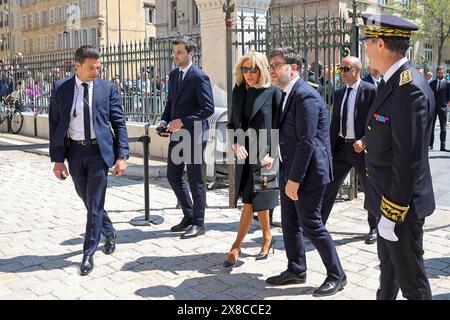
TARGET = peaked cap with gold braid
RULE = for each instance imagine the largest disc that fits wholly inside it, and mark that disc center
(386, 25)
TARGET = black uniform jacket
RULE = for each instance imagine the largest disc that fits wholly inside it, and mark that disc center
(399, 125)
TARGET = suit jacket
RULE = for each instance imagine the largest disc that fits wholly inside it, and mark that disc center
(108, 120)
(364, 97)
(265, 115)
(190, 101)
(368, 79)
(305, 137)
(442, 97)
(399, 126)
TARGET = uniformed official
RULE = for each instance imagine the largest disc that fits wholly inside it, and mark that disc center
(398, 131)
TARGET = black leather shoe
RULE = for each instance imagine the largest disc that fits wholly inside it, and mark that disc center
(110, 244)
(287, 277)
(331, 286)
(87, 265)
(445, 150)
(184, 225)
(193, 232)
(371, 237)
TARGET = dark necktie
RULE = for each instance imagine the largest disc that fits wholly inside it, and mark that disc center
(381, 84)
(283, 96)
(344, 114)
(180, 80)
(86, 117)
(438, 85)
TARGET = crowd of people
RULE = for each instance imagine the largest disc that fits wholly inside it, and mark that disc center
(284, 149)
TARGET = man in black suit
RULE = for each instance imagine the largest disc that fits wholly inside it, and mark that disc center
(347, 135)
(373, 77)
(441, 90)
(189, 105)
(399, 189)
(305, 170)
(87, 127)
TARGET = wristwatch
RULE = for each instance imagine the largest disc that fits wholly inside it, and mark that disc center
(124, 158)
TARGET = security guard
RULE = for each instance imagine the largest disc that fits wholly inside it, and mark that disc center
(398, 131)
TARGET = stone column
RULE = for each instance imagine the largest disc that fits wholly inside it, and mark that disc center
(214, 52)
(213, 34)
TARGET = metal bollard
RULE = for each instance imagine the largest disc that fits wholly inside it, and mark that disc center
(148, 220)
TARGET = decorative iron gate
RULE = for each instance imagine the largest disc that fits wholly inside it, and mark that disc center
(323, 42)
(140, 70)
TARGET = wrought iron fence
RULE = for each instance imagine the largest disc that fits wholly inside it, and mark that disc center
(322, 40)
(140, 70)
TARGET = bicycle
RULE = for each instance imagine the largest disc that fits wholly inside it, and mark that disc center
(13, 115)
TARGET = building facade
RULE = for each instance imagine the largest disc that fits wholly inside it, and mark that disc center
(423, 53)
(175, 17)
(39, 26)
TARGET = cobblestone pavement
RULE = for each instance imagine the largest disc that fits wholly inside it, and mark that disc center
(42, 222)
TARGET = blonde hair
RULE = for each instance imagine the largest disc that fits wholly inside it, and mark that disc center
(259, 60)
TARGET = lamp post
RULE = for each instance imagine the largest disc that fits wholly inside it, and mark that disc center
(8, 37)
(120, 46)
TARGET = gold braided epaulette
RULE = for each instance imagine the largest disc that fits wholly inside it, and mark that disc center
(393, 211)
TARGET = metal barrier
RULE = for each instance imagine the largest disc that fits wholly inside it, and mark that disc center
(216, 148)
(140, 71)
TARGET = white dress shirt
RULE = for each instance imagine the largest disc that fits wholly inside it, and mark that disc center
(287, 91)
(393, 69)
(76, 124)
(350, 110)
(439, 84)
(376, 81)
(184, 70)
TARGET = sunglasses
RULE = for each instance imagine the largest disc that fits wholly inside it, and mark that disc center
(246, 70)
(344, 69)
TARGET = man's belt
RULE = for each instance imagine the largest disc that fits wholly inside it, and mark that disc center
(83, 142)
(347, 140)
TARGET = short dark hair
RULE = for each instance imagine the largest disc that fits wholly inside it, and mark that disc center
(441, 67)
(188, 43)
(86, 52)
(289, 55)
(398, 45)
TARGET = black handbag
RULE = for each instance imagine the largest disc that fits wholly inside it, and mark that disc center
(265, 180)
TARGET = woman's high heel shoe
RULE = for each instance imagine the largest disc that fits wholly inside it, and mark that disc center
(228, 264)
(265, 255)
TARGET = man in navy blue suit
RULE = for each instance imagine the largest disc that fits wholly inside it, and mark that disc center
(374, 76)
(305, 170)
(189, 105)
(347, 130)
(87, 127)
(441, 90)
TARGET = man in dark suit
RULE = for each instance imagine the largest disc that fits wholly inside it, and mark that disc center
(441, 90)
(399, 189)
(189, 104)
(305, 170)
(347, 131)
(373, 77)
(83, 109)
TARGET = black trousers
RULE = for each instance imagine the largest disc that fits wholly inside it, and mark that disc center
(90, 176)
(442, 114)
(194, 208)
(303, 217)
(344, 159)
(401, 263)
